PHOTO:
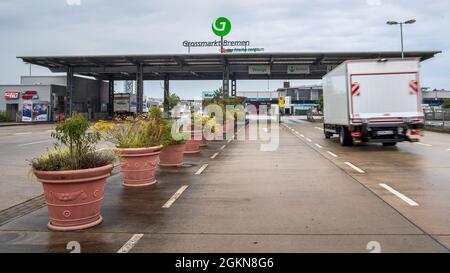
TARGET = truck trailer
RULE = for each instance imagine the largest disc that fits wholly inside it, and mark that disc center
(376, 101)
(122, 104)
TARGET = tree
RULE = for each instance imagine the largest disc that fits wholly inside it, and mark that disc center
(321, 102)
(218, 93)
(446, 104)
(174, 100)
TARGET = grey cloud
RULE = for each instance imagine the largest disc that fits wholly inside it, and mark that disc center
(142, 26)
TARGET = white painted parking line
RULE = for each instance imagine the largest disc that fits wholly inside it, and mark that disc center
(33, 143)
(200, 171)
(22, 134)
(223, 147)
(229, 141)
(302, 135)
(214, 156)
(174, 198)
(332, 154)
(318, 146)
(318, 128)
(130, 244)
(308, 139)
(423, 144)
(400, 195)
(354, 167)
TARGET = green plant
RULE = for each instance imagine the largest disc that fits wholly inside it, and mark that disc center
(446, 104)
(73, 133)
(173, 101)
(172, 138)
(60, 160)
(133, 133)
(4, 117)
(74, 150)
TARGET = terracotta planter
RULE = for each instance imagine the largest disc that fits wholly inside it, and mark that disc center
(172, 156)
(203, 142)
(192, 145)
(74, 198)
(138, 166)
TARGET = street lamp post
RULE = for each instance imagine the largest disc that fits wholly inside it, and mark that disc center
(412, 21)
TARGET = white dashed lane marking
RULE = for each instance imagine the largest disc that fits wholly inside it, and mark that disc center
(214, 155)
(318, 146)
(130, 244)
(423, 144)
(33, 143)
(354, 167)
(332, 154)
(200, 171)
(174, 198)
(408, 200)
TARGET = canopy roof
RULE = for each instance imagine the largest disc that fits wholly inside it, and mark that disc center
(209, 66)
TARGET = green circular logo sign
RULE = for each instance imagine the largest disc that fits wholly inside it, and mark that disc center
(221, 27)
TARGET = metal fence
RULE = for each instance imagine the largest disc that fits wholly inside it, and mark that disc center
(438, 118)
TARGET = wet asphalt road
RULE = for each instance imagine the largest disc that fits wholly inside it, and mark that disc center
(298, 198)
(17, 145)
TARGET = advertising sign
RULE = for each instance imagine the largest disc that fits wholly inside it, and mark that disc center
(11, 95)
(27, 111)
(34, 111)
(30, 95)
(40, 111)
(298, 69)
(259, 70)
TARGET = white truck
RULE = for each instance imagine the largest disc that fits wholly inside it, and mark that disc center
(122, 104)
(374, 101)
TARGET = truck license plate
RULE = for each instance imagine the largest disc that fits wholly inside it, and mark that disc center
(384, 133)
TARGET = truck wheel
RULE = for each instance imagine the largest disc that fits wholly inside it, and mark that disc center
(389, 144)
(344, 138)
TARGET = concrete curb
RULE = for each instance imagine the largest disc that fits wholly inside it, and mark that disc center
(24, 124)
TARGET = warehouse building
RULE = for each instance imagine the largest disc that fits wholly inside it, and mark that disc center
(42, 98)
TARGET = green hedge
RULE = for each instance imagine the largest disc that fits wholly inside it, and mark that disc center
(4, 118)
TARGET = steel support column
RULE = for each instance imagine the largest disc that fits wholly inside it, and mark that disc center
(69, 92)
(166, 96)
(111, 99)
(233, 87)
(226, 81)
(140, 89)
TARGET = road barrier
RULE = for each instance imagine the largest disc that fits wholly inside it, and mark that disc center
(438, 118)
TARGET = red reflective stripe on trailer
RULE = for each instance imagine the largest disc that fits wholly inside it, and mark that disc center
(355, 89)
(386, 121)
(413, 87)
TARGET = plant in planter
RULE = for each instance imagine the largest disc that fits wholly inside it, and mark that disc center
(193, 142)
(174, 144)
(210, 128)
(138, 143)
(73, 176)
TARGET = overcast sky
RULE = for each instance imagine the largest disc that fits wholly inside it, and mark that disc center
(63, 27)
